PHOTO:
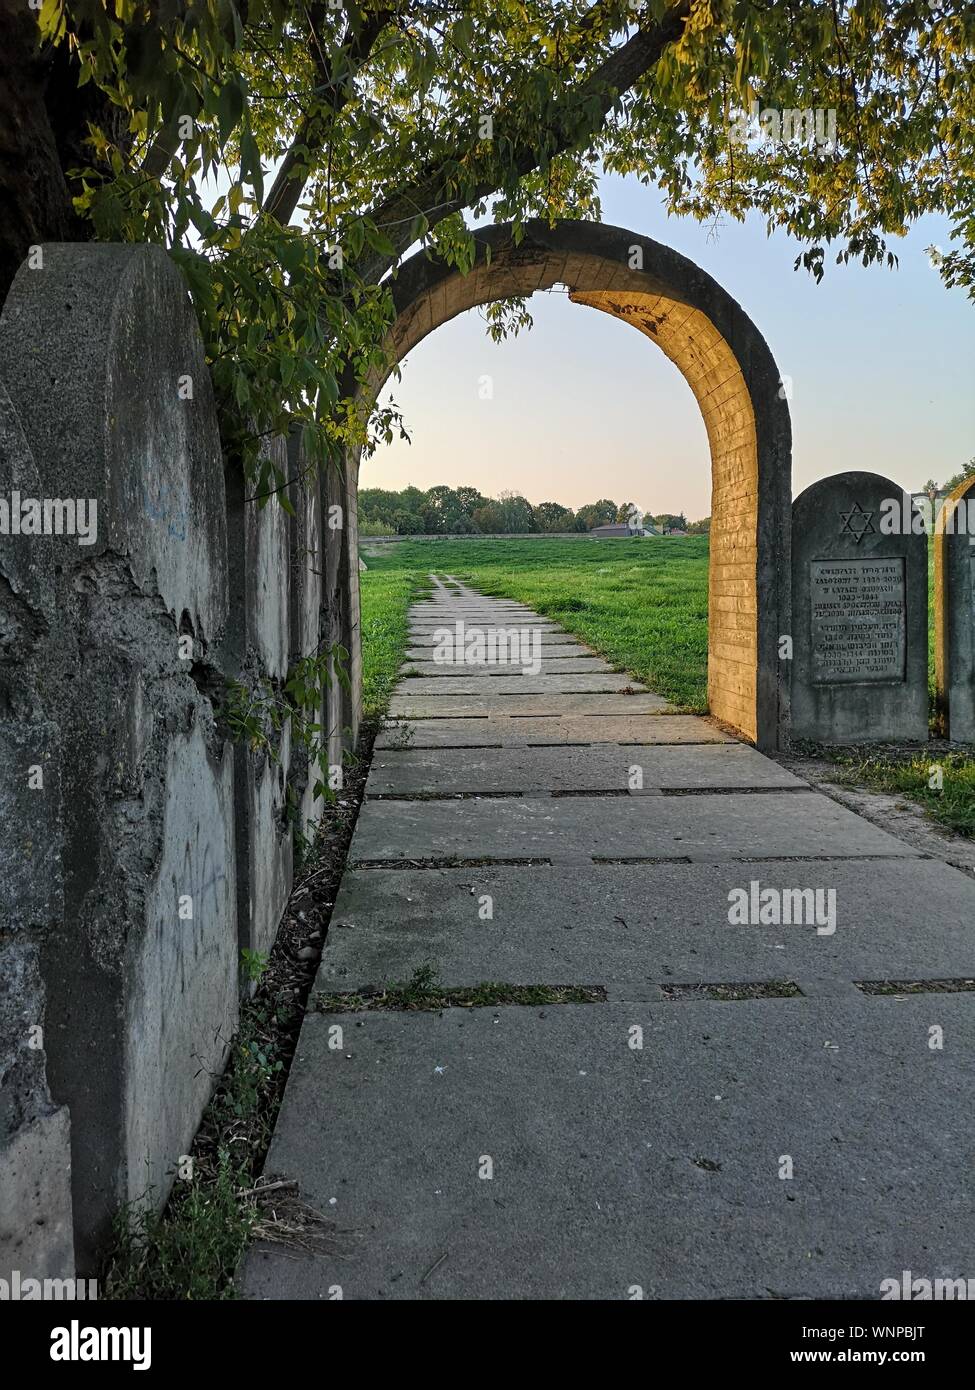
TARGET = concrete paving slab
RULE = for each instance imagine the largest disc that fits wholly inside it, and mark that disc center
(548, 666)
(639, 731)
(424, 609)
(472, 612)
(498, 623)
(451, 612)
(614, 1168)
(473, 683)
(600, 767)
(477, 619)
(550, 651)
(634, 925)
(440, 733)
(554, 704)
(616, 1165)
(460, 605)
(708, 828)
(546, 631)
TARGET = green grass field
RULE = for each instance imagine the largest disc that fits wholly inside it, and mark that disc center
(642, 604)
(385, 594)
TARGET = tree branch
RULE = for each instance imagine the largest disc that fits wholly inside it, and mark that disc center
(430, 194)
(285, 193)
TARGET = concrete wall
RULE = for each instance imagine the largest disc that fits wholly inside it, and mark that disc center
(141, 847)
(341, 604)
(255, 651)
(954, 614)
(35, 1155)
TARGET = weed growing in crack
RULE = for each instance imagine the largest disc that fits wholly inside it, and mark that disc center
(423, 991)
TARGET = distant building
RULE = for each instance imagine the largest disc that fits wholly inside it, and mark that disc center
(618, 529)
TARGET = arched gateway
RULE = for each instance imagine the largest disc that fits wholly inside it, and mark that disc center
(727, 365)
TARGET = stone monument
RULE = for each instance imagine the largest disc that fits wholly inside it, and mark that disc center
(859, 613)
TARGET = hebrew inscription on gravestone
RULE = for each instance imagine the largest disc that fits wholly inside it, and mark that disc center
(858, 609)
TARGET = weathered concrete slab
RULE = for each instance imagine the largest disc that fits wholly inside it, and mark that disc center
(255, 649)
(140, 969)
(36, 1232)
(640, 730)
(470, 616)
(954, 613)
(479, 732)
(36, 1226)
(614, 1167)
(340, 602)
(557, 705)
(473, 614)
(446, 602)
(473, 683)
(547, 630)
(709, 828)
(427, 608)
(551, 651)
(309, 616)
(622, 1159)
(548, 666)
(629, 926)
(265, 850)
(600, 767)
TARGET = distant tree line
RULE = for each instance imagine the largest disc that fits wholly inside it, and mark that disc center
(934, 489)
(461, 511)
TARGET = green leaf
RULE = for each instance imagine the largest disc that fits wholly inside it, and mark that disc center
(230, 107)
(250, 163)
(463, 33)
(379, 241)
(292, 255)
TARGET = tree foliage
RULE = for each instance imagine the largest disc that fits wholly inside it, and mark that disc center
(289, 155)
(966, 471)
(444, 510)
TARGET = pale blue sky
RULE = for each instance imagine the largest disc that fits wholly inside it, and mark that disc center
(584, 407)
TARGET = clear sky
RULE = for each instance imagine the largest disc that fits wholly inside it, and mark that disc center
(882, 365)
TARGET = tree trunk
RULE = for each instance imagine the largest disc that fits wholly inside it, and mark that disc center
(43, 122)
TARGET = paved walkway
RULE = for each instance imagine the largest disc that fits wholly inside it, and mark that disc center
(644, 1142)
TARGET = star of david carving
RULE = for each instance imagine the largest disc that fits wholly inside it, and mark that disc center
(857, 523)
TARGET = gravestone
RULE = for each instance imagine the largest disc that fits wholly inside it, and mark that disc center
(859, 612)
(954, 613)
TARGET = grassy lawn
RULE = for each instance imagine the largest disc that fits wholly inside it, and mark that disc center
(952, 804)
(643, 605)
(385, 595)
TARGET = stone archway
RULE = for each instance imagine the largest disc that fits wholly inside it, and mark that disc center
(730, 370)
